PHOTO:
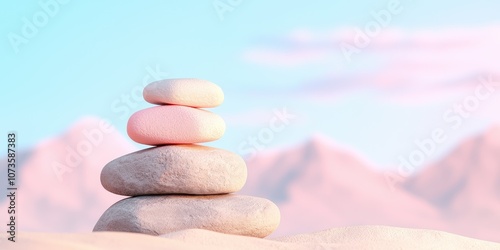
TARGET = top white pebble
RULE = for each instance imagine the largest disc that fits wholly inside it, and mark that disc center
(190, 92)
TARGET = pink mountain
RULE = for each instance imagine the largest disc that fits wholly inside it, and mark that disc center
(465, 186)
(59, 179)
(317, 185)
(320, 185)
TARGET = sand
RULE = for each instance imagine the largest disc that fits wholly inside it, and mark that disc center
(361, 237)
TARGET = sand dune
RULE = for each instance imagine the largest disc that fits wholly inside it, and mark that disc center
(368, 237)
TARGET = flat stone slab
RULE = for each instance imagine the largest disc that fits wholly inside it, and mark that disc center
(157, 215)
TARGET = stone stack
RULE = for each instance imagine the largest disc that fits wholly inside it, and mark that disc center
(177, 184)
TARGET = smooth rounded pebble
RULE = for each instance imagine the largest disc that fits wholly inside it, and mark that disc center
(176, 169)
(162, 125)
(187, 92)
(161, 214)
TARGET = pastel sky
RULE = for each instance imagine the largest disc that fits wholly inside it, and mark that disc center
(92, 58)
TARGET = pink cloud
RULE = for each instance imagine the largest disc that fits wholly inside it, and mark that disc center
(401, 65)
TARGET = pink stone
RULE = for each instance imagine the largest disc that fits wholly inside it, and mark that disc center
(172, 124)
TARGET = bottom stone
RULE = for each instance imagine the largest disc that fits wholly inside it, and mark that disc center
(161, 214)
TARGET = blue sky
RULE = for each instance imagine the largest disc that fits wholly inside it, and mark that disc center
(89, 54)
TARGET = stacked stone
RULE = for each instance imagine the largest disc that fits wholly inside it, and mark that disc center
(177, 184)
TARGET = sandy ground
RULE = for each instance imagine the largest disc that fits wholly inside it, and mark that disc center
(362, 237)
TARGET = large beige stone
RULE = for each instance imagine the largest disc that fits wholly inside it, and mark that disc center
(156, 215)
(175, 169)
